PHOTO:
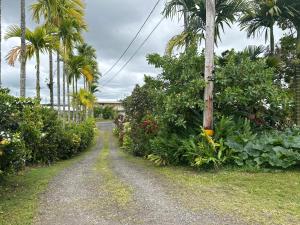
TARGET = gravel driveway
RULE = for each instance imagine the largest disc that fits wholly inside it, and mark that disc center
(75, 196)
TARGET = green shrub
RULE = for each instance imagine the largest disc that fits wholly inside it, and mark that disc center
(270, 150)
(13, 153)
(31, 134)
(108, 113)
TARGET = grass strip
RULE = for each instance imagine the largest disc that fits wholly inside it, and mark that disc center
(259, 198)
(118, 192)
(19, 194)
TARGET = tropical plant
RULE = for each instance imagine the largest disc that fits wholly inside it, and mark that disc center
(23, 51)
(290, 18)
(254, 95)
(278, 150)
(261, 16)
(226, 13)
(38, 41)
(0, 43)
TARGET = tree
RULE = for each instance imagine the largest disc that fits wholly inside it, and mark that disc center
(23, 51)
(291, 18)
(70, 33)
(0, 43)
(226, 12)
(46, 9)
(39, 41)
(57, 12)
(209, 64)
(261, 16)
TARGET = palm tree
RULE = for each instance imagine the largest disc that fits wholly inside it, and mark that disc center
(291, 15)
(0, 43)
(87, 99)
(23, 51)
(70, 33)
(89, 56)
(57, 12)
(261, 16)
(45, 8)
(226, 13)
(39, 41)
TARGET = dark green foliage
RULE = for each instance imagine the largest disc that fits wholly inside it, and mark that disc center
(97, 112)
(108, 113)
(246, 89)
(32, 134)
(277, 149)
(249, 101)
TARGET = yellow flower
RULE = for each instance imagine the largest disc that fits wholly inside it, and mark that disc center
(4, 142)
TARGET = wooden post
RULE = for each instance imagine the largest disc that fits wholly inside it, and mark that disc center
(209, 65)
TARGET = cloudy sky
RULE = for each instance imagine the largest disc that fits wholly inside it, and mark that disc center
(112, 25)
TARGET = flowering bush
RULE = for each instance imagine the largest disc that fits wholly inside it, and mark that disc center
(31, 134)
(13, 154)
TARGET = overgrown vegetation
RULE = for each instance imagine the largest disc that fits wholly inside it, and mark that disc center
(106, 113)
(254, 114)
(31, 134)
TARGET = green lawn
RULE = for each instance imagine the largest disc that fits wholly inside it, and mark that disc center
(258, 198)
(19, 194)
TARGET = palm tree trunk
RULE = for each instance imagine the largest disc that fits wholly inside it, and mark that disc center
(58, 83)
(23, 52)
(38, 87)
(73, 105)
(64, 90)
(0, 42)
(185, 18)
(298, 79)
(209, 64)
(272, 40)
(51, 78)
(77, 103)
(68, 98)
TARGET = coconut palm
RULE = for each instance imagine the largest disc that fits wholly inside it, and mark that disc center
(261, 16)
(226, 13)
(38, 41)
(23, 51)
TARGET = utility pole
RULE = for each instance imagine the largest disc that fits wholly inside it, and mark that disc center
(209, 66)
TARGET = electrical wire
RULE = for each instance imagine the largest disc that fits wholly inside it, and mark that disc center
(134, 54)
(133, 40)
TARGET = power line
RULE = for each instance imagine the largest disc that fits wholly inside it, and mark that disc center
(134, 54)
(133, 40)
